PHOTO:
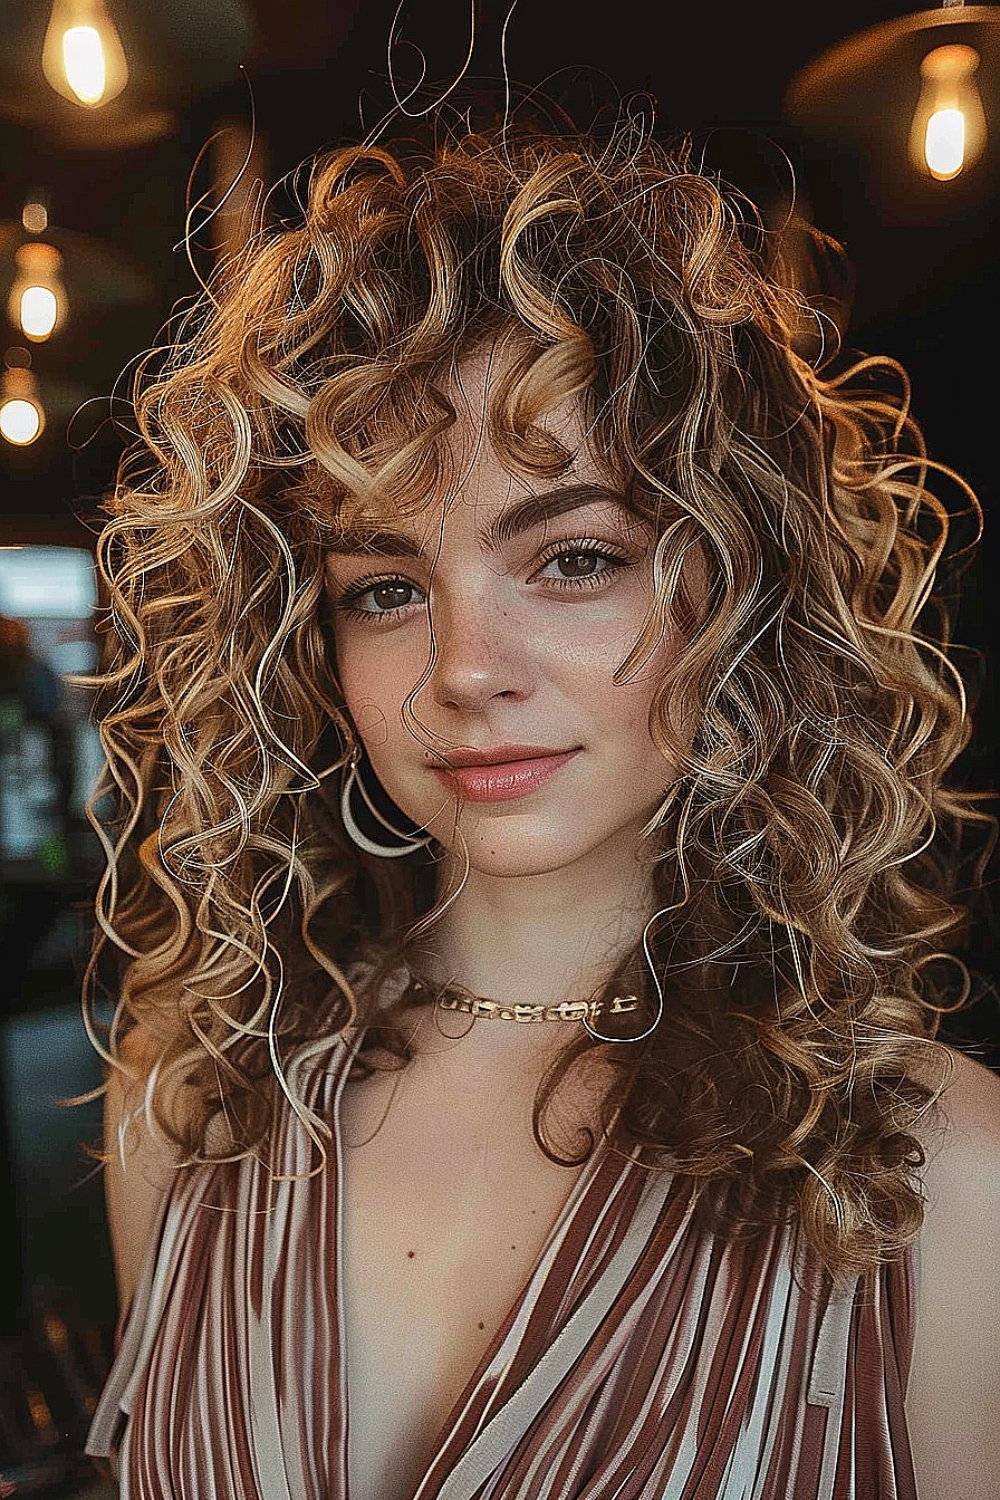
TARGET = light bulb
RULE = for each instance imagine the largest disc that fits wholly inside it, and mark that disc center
(949, 126)
(83, 63)
(37, 302)
(944, 143)
(22, 416)
(82, 56)
(35, 216)
(20, 421)
(38, 312)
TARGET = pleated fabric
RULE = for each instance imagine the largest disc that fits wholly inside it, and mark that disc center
(645, 1359)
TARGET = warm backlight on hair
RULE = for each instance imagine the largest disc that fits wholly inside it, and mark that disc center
(20, 421)
(949, 125)
(84, 65)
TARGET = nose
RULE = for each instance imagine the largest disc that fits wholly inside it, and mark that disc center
(479, 653)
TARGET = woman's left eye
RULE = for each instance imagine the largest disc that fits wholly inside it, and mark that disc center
(576, 565)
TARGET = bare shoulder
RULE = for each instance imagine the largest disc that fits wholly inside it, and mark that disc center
(139, 1168)
(969, 1112)
(961, 1174)
(953, 1399)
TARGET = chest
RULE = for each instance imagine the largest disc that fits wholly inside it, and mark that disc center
(443, 1221)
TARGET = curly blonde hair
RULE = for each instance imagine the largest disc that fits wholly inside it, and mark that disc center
(801, 893)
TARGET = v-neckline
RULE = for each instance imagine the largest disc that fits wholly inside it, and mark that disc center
(534, 1282)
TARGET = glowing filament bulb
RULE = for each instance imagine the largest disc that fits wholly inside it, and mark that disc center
(22, 416)
(944, 143)
(82, 57)
(949, 126)
(20, 422)
(38, 312)
(37, 301)
(83, 63)
(35, 216)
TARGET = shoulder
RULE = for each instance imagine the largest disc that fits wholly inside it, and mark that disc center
(962, 1145)
(953, 1400)
(142, 1163)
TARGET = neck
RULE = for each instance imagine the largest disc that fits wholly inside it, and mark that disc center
(543, 938)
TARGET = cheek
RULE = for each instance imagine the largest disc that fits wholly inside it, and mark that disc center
(376, 683)
(356, 680)
(635, 704)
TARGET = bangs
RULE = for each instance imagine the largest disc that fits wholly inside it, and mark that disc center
(381, 438)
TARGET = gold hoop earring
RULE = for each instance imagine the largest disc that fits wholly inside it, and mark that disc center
(407, 843)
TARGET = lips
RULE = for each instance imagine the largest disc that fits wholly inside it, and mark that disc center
(502, 772)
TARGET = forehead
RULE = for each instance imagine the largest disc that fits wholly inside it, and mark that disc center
(508, 391)
(482, 462)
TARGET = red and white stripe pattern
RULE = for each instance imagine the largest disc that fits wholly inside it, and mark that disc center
(644, 1360)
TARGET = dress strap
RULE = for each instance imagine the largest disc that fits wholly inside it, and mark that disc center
(828, 1378)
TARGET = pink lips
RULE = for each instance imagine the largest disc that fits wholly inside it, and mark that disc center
(502, 773)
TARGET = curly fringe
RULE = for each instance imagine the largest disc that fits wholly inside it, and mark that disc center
(803, 893)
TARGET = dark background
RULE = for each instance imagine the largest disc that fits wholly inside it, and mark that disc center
(924, 264)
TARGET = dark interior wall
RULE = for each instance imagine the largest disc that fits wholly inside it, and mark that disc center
(925, 294)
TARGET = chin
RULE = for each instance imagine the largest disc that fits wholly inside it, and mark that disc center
(518, 865)
(505, 853)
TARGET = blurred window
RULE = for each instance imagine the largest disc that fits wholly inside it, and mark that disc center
(51, 583)
(49, 749)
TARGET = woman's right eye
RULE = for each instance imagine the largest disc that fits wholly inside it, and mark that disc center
(385, 596)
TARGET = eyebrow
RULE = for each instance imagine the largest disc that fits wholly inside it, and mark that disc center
(524, 515)
(379, 543)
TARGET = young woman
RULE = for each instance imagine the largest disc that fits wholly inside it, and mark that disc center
(530, 737)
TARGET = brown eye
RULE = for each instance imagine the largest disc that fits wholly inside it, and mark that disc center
(385, 597)
(579, 564)
(591, 566)
(391, 595)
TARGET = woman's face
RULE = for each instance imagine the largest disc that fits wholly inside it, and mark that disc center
(477, 645)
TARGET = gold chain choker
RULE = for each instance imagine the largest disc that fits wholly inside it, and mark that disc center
(452, 997)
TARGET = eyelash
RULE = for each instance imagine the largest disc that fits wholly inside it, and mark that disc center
(348, 603)
(584, 547)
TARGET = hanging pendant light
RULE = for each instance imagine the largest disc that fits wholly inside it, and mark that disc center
(22, 415)
(82, 56)
(114, 73)
(949, 124)
(35, 214)
(907, 96)
(37, 302)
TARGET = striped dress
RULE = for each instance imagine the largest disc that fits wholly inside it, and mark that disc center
(644, 1359)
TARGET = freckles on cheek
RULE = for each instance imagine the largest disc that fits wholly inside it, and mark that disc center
(376, 685)
(355, 683)
(371, 723)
